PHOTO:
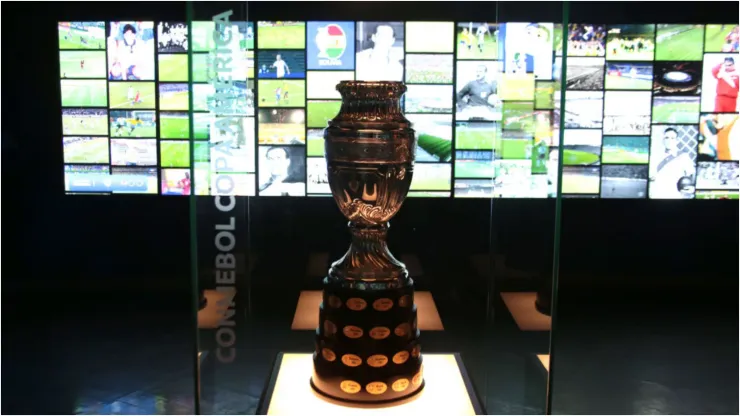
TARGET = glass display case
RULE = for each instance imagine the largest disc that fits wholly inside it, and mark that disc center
(302, 120)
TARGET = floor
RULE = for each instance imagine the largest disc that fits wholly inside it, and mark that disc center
(617, 354)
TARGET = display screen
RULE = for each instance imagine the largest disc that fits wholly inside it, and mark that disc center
(650, 109)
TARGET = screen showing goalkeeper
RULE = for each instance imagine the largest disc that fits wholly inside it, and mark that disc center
(478, 98)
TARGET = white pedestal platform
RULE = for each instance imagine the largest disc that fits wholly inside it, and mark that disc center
(447, 391)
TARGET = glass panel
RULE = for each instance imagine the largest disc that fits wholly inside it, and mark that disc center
(297, 301)
(220, 179)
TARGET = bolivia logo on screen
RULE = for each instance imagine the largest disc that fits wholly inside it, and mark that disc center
(331, 42)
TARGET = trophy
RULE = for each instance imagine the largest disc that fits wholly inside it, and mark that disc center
(367, 342)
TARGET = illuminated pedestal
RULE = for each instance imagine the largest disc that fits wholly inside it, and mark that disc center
(545, 360)
(210, 316)
(522, 307)
(448, 391)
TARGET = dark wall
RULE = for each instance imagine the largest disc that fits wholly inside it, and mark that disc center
(54, 241)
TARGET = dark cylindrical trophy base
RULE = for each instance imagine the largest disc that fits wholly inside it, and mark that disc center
(367, 344)
(543, 301)
(202, 301)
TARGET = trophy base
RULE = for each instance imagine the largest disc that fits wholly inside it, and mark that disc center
(343, 397)
(367, 343)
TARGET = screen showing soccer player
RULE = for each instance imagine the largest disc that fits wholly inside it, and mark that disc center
(285, 93)
(722, 38)
(79, 121)
(82, 64)
(281, 34)
(630, 43)
(281, 64)
(719, 137)
(172, 37)
(679, 42)
(629, 76)
(380, 51)
(721, 83)
(133, 124)
(281, 126)
(624, 181)
(717, 175)
(131, 95)
(477, 40)
(477, 91)
(131, 51)
(528, 49)
(586, 40)
(133, 152)
(81, 35)
(318, 178)
(673, 162)
(282, 171)
(84, 93)
(429, 69)
(85, 149)
(176, 182)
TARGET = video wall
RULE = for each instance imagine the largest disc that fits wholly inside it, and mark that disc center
(650, 110)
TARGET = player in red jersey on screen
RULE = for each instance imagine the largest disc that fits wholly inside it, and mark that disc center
(82, 64)
(184, 184)
(728, 82)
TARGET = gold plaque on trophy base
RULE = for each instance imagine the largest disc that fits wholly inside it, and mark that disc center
(417, 378)
(416, 351)
(349, 386)
(383, 304)
(402, 330)
(335, 302)
(377, 360)
(379, 332)
(351, 331)
(401, 357)
(329, 328)
(404, 301)
(356, 304)
(351, 360)
(328, 354)
(400, 385)
(376, 387)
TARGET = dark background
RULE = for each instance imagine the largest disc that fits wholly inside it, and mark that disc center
(69, 243)
(107, 254)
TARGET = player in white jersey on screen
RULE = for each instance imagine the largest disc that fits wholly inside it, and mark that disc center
(481, 33)
(383, 61)
(127, 55)
(281, 67)
(672, 174)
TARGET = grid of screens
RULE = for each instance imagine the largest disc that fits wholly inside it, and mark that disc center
(650, 109)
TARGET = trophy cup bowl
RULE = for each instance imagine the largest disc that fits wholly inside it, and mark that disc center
(367, 343)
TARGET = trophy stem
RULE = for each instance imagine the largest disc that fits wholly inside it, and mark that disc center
(368, 257)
